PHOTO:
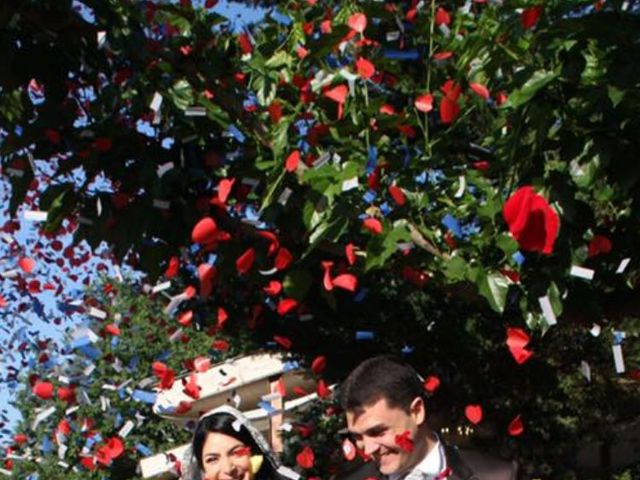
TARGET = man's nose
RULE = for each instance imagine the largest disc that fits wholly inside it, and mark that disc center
(370, 446)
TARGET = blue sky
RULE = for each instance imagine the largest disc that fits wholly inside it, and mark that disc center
(35, 321)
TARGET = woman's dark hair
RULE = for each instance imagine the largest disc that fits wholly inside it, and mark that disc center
(224, 423)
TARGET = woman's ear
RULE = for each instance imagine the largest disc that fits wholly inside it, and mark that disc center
(418, 411)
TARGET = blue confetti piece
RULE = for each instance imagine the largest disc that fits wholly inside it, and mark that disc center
(267, 407)
(370, 196)
(373, 158)
(360, 295)
(452, 224)
(133, 363)
(518, 258)
(394, 54)
(290, 365)
(236, 133)
(194, 248)
(114, 342)
(164, 356)
(618, 337)
(18, 130)
(365, 335)
(385, 209)
(281, 18)
(144, 450)
(407, 350)
(91, 352)
(47, 446)
(122, 393)
(421, 179)
(144, 396)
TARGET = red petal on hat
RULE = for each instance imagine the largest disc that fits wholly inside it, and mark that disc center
(319, 364)
(204, 231)
(245, 261)
(431, 383)
(305, 458)
(365, 68)
(424, 103)
(286, 305)
(201, 364)
(189, 292)
(223, 316)
(337, 94)
(183, 407)
(27, 264)
(327, 281)
(274, 288)
(284, 342)
(43, 390)
(473, 413)
(192, 389)
(357, 22)
(349, 251)
(346, 281)
(323, 390)
(283, 259)
(480, 90)
(373, 225)
(530, 16)
(449, 110)
(224, 188)
(397, 194)
(291, 164)
(516, 427)
(67, 394)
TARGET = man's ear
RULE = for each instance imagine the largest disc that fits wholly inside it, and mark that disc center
(418, 410)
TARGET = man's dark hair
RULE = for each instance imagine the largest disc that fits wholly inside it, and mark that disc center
(380, 377)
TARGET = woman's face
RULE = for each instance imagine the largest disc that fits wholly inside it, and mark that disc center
(225, 458)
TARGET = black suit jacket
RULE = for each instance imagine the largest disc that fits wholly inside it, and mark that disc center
(465, 465)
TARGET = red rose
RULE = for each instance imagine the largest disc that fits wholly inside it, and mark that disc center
(532, 222)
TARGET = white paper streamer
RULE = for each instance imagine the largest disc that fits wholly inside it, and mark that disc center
(618, 358)
(623, 265)
(581, 272)
(547, 310)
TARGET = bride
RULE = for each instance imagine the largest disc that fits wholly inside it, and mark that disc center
(226, 446)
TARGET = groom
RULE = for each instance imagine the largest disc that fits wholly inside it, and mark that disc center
(386, 415)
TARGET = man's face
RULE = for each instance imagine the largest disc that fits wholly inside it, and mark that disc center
(375, 427)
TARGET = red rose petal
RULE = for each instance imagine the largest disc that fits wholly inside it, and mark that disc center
(204, 231)
(245, 261)
(291, 164)
(431, 383)
(357, 22)
(365, 68)
(516, 426)
(286, 305)
(424, 103)
(473, 413)
(373, 225)
(319, 364)
(305, 458)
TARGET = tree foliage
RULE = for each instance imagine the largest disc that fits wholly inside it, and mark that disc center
(429, 174)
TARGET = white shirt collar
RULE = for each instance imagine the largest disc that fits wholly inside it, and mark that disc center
(433, 463)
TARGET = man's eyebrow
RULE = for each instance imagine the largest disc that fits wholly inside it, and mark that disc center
(372, 428)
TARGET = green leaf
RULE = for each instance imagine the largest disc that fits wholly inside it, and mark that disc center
(279, 59)
(455, 269)
(537, 81)
(506, 243)
(494, 287)
(296, 284)
(381, 247)
(181, 94)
